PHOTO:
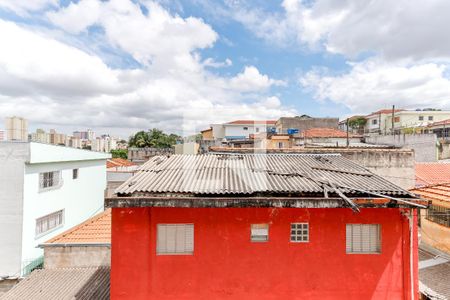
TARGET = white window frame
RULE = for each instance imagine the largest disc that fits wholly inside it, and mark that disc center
(259, 233)
(48, 219)
(183, 239)
(298, 234)
(363, 238)
(55, 180)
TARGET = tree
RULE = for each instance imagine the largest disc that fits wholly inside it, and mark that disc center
(357, 122)
(153, 138)
(119, 153)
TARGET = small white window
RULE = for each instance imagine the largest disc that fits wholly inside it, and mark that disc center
(49, 179)
(299, 232)
(374, 122)
(363, 238)
(259, 233)
(430, 118)
(74, 173)
(175, 239)
(420, 118)
(49, 222)
(257, 129)
(245, 128)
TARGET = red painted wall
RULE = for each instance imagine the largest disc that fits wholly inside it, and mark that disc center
(227, 265)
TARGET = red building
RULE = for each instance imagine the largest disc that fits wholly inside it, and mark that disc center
(258, 226)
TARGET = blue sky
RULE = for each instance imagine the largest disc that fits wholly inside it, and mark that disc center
(119, 66)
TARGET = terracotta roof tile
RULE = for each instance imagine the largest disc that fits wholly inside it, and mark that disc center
(118, 162)
(383, 112)
(432, 173)
(248, 122)
(439, 192)
(439, 123)
(96, 230)
(326, 133)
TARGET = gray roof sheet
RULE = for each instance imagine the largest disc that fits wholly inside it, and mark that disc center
(62, 284)
(247, 174)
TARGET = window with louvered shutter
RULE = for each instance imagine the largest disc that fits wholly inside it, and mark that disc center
(363, 238)
(175, 239)
(49, 222)
(259, 232)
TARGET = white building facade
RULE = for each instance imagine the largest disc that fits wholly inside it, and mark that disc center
(46, 190)
(241, 129)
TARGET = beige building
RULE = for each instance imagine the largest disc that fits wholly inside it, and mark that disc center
(40, 136)
(16, 129)
(57, 138)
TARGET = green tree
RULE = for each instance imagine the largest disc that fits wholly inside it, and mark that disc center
(153, 138)
(357, 122)
(119, 153)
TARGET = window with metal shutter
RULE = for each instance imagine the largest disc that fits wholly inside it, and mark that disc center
(175, 239)
(363, 238)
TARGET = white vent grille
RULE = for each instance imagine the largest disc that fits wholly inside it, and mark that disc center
(173, 239)
(363, 238)
(260, 232)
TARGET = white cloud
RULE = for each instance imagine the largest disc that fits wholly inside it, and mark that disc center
(210, 62)
(22, 7)
(53, 83)
(252, 80)
(373, 84)
(411, 29)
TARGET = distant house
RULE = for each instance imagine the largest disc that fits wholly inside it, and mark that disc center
(298, 124)
(118, 170)
(434, 265)
(262, 226)
(326, 137)
(432, 173)
(378, 122)
(45, 189)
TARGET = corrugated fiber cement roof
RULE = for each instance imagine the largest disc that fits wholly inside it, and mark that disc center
(248, 174)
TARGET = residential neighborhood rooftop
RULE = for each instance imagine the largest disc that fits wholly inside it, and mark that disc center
(96, 230)
(249, 122)
(326, 133)
(118, 162)
(440, 192)
(63, 284)
(432, 173)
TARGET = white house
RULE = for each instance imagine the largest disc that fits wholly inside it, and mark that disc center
(241, 129)
(45, 189)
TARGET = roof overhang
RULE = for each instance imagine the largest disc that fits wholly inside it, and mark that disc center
(45, 245)
(246, 202)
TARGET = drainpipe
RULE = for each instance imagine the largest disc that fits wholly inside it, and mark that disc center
(411, 251)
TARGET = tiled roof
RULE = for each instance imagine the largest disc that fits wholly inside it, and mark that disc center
(118, 162)
(326, 133)
(63, 284)
(383, 112)
(249, 174)
(251, 122)
(432, 173)
(96, 230)
(439, 123)
(434, 192)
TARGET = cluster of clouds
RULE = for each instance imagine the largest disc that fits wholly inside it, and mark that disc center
(397, 51)
(172, 87)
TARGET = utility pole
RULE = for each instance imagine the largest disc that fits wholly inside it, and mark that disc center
(348, 142)
(393, 113)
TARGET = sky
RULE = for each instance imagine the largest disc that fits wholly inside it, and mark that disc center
(120, 66)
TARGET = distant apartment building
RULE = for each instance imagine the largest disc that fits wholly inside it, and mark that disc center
(84, 135)
(74, 142)
(46, 189)
(40, 136)
(57, 138)
(293, 125)
(105, 143)
(2, 135)
(16, 129)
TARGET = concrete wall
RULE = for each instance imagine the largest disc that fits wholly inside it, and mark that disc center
(283, 124)
(424, 145)
(187, 148)
(12, 169)
(76, 256)
(226, 264)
